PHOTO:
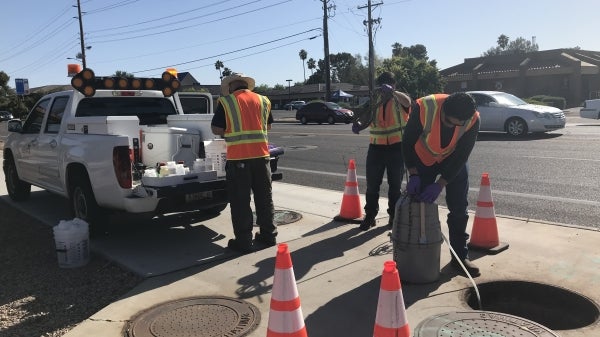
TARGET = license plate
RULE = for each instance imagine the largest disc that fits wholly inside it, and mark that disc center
(191, 197)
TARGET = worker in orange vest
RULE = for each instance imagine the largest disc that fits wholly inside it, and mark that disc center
(243, 117)
(438, 139)
(387, 118)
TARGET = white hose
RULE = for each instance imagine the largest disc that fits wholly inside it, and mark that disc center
(466, 271)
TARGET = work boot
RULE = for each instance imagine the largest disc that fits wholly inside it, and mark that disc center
(367, 222)
(470, 266)
(239, 246)
(265, 240)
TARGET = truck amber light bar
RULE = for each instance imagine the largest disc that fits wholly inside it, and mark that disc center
(87, 83)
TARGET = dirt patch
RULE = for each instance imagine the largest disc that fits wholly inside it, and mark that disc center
(37, 298)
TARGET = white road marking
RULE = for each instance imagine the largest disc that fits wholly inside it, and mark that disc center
(472, 189)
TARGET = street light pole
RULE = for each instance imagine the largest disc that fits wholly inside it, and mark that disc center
(289, 90)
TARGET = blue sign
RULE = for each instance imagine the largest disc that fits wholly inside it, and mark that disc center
(22, 86)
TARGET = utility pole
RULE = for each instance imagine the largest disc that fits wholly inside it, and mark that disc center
(369, 24)
(326, 8)
(81, 35)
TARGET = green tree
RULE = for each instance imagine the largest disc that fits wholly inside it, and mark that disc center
(312, 65)
(227, 71)
(219, 66)
(123, 73)
(344, 68)
(261, 89)
(303, 54)
(414, 72)
(503, 41)
(505, 47)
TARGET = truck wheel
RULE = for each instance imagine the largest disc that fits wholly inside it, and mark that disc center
(18, 190)
(83, 203)
(216, 209)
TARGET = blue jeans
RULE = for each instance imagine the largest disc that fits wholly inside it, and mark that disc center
(380, 159)
(456, 201)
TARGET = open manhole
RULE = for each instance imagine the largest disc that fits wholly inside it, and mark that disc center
(197, 317)
(554, 307)
(283, 217)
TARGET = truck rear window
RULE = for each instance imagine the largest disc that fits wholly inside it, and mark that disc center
(149, 110)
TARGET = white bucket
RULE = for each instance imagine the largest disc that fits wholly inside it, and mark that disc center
(216, 151)
(72, 241)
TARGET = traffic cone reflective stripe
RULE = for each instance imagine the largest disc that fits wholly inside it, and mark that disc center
(285, 315)
(350, 208)
(484, 234)
(390, 320)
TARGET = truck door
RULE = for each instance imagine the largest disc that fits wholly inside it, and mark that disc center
(46, 149)
(25, 160)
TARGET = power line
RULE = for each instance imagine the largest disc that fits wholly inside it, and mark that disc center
(226, 53)
(195, 25)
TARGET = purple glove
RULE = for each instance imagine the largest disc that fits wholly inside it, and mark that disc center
(356, 128)
(431, 193)
(387, 88)
(413, 187)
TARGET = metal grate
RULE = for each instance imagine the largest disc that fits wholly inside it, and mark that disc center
(197, 317)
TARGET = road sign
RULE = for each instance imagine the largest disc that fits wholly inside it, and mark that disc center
(22, 86)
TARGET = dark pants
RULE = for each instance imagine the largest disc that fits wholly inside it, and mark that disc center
(456, 201)
(380, 159)
(243, 178)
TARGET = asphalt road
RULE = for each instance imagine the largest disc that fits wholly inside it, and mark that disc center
(552, 177)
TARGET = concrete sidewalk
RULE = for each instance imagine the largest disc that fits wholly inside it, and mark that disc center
(338, 269)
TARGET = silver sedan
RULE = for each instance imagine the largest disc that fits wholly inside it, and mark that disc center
(504, 112)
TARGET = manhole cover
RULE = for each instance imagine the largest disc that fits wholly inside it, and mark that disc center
(283, 217)
(197, 317)
(480, 324)
(554, 307)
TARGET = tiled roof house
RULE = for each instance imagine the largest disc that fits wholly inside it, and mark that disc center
(570, 73)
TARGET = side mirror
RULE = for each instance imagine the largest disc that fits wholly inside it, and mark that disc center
(15, 125)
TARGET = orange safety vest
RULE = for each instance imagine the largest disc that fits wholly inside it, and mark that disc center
(246, 132)
(429, 145)
(388, 124)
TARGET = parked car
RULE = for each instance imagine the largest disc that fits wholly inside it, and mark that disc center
(590, 109)
(294, 105)
(5, 116)
(320, 112)
(501, 111)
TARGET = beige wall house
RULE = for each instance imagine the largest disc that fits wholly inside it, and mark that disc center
(569, 73)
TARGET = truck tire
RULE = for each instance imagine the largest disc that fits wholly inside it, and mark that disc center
(215, 210)
(83, 203)
(18, 190)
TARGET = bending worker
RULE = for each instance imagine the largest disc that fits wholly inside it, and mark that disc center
(243, 118)
(438, 140)
(385, 147)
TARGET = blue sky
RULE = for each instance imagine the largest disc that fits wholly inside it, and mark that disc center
(262, 38)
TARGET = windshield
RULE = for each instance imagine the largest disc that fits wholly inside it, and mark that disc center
(149, 110)
(333, 106)
(508, 99)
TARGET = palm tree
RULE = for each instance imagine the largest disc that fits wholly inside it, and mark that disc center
(312, 65)
(218, 66)
(227, 71)
(303, 55)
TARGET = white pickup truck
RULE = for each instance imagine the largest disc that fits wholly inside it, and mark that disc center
(96, 145)
(590, 109)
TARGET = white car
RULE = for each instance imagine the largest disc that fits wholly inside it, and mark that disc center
(500, 111)
(590, 109)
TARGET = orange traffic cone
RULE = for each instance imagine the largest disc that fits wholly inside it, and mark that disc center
(285, 315)
(390, 320)
(350, 208)
(484, 235)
